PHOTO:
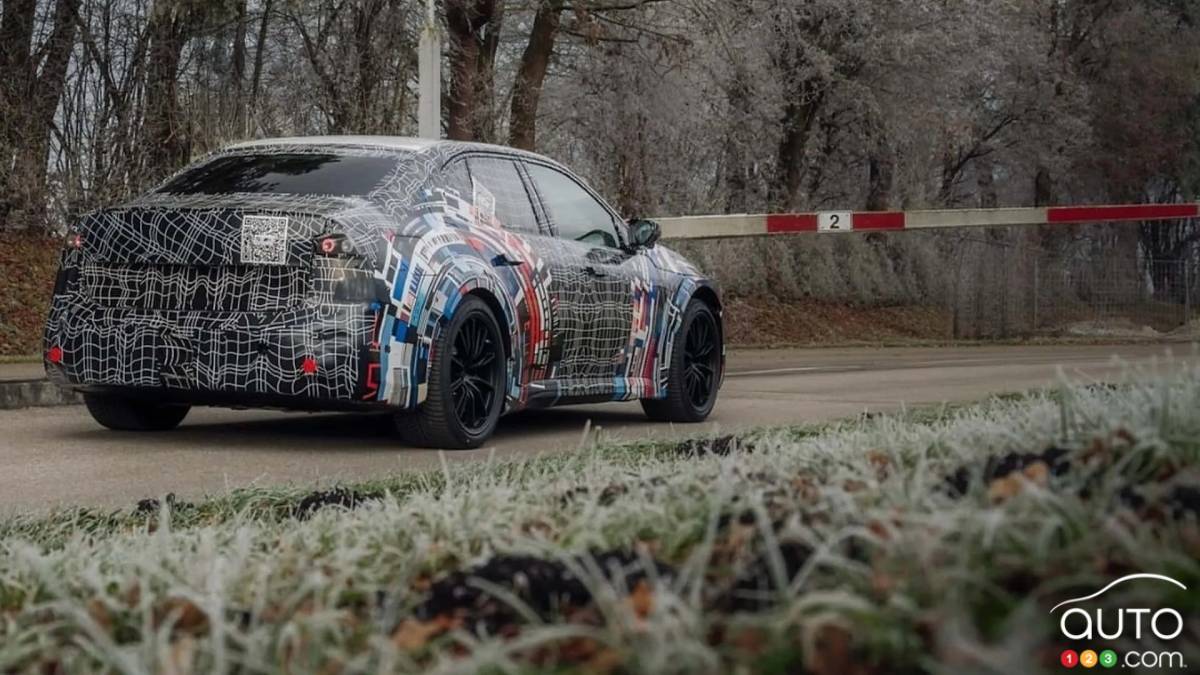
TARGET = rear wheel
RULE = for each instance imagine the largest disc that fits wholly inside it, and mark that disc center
(695, 369)
(466, 383)
(127, 414)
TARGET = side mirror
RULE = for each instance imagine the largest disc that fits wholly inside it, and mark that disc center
(643, 233)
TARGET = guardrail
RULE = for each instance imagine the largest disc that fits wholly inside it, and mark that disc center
(747, 225)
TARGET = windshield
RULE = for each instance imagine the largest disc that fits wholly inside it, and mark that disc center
(295, 173)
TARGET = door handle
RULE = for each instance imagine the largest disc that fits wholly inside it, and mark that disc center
(504, 261)
(595, 271)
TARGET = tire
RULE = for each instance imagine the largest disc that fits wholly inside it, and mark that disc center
(704, 353)
(128, 414)
(464, 399)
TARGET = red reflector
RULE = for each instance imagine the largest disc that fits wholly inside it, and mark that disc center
(55, 355)
(329, 245)
(309, 366)
(75, 240)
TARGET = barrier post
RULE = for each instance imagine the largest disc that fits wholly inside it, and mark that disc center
(1037, 290)
(1187, 292)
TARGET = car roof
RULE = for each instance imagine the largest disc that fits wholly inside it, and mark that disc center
(394, 143)
(388, 142)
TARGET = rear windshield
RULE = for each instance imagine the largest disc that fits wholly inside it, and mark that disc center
(294, 174)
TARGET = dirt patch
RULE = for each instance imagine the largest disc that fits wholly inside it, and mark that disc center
(1110, 328)
(547, 587)
(722, 445)
(759, 321)
(27, 265)
(339, 497)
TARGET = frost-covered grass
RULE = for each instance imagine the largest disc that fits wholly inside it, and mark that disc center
(927, 542)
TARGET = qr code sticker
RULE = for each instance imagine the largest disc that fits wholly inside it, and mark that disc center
(264, 240)
(485, 204)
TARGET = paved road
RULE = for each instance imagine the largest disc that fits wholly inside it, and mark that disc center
(54, 456)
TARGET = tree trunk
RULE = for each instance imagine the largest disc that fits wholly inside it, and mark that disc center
(881, 174)
(237, 66)
(237, 74)
(1043, 187)
(485, 77)
(985, 180)
(260, 51)
(527, 89)
(799, 116)
(16, 44)
(167, 139)
(33, 152)
(466, 21)
(365, 16)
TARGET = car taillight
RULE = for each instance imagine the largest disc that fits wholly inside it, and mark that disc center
(335, 246)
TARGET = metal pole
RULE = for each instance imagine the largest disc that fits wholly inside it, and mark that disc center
(1187, 292)
(1037, 283)
(429, 107)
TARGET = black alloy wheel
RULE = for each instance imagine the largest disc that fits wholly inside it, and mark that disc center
(694, 378)
(466, 386)
(701, 360)
(474, 378)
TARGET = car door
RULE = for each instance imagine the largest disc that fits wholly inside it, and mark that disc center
(496, 187)
(593, 284)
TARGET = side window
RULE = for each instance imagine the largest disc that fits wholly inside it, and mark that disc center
(573, 211)
(455, 177)
(496, 186)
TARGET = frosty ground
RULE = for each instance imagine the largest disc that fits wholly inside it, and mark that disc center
(933, 541)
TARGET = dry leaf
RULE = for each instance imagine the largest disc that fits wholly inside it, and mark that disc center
(642, 599)
(880, 529)
(187, 616)
(133, 595)
(412, 635)
(99, 613)
(806, 488)
(1003, 489)
(854, 486)
(1038, 473)
(881, 463)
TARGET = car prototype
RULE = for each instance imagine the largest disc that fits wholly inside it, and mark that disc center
(445, 282)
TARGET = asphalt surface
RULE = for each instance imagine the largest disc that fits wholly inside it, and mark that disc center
(59, 456)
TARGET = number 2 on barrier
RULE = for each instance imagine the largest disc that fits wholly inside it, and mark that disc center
(834, 221)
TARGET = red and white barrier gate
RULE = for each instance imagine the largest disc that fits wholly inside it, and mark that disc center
(704, 227)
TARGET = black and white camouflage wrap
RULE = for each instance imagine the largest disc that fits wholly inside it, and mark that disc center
(193, 295)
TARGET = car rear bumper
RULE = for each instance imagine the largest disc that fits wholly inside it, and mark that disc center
(311, 357)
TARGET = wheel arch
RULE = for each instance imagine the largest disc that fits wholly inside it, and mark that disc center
(489, 289)
(709, 296)
(706, 292)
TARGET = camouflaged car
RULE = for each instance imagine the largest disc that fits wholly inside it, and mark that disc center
(445, 282)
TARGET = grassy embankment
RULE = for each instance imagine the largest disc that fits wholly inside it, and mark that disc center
(935, 541)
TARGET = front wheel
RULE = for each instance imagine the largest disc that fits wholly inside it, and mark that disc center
(129, 414)
(695, 369)
(466, 383)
